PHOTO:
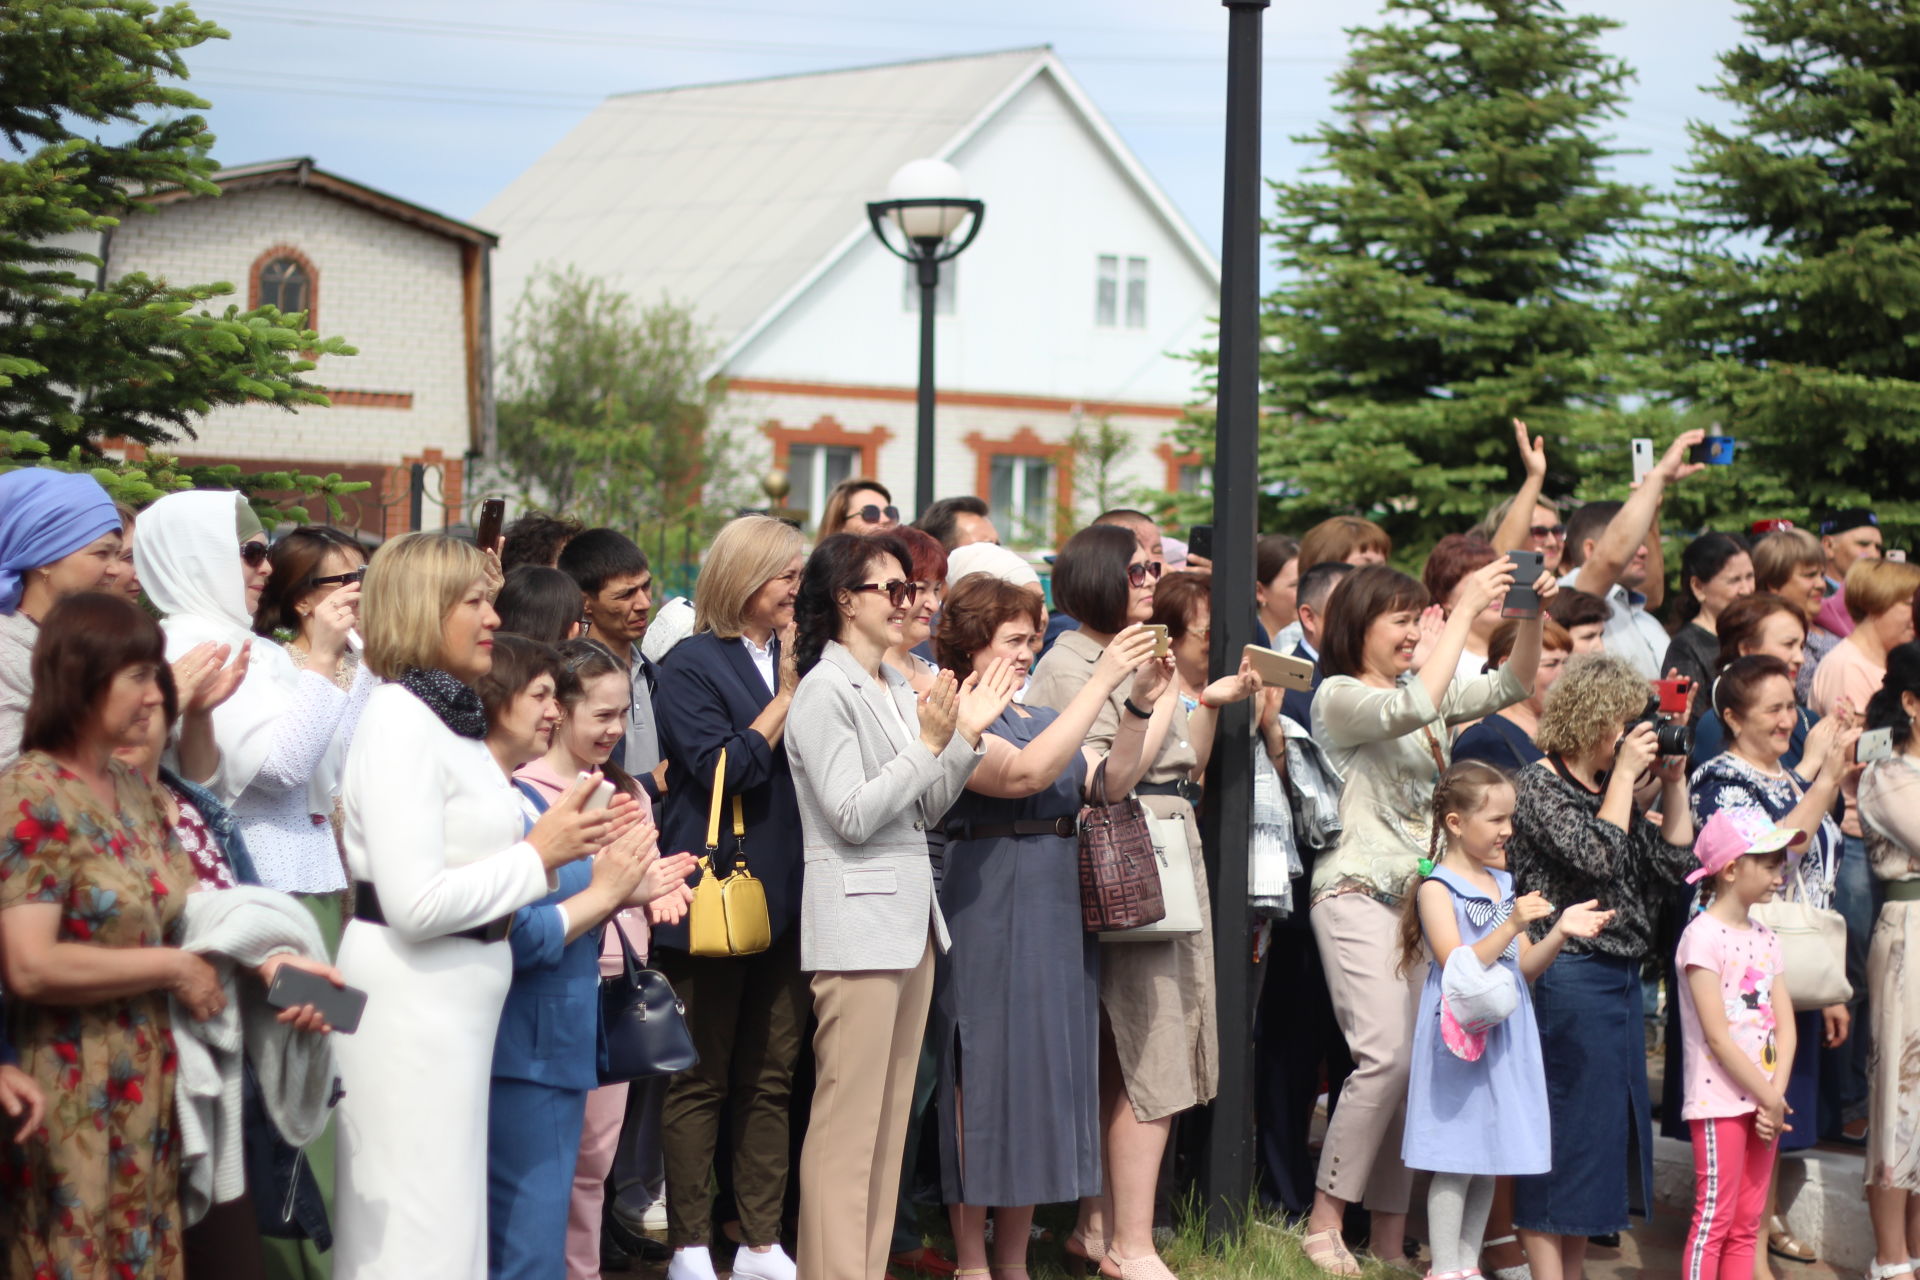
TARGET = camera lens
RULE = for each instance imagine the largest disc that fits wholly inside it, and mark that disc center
(1675, 739)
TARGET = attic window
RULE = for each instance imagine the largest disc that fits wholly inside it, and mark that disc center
(283, 277)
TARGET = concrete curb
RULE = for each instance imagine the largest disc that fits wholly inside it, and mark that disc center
(1822, 1198)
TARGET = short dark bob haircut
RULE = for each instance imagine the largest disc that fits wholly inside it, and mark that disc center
(977, 607)
(837, 566)
(85, 641)
(1363, 595)
(296, 561)
(540, 603)
(1176, 596)
(517, 663)
(1090, 576)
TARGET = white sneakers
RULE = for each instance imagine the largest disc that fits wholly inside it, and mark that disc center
(774, 1264)
(692, 1264)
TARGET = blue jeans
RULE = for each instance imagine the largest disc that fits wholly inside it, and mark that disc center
(1843, 1071)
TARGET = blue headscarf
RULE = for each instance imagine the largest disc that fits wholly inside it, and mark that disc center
(45, 516)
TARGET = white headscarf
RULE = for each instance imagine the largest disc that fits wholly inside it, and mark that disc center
(188, 558)
(990, 557)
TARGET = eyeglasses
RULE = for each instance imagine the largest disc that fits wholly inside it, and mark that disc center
(1141, 574)
(253, 554)
(332, 579)
(899, 594)
(871, 514)
(1549, 531)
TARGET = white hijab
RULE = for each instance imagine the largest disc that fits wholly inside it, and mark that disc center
(188, 558)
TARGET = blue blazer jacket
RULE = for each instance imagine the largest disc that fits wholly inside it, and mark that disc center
(710, 692)
(550, 1025)
(1296, 705)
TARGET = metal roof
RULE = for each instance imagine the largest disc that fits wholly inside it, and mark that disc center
(738, 196)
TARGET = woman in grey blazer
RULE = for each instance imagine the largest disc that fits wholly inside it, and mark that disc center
(874, 766)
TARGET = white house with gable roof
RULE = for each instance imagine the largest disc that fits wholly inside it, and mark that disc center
(748, 201)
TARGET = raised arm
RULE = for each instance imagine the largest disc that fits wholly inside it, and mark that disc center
(1008, 772)
(1627, 532)
(1516, 530)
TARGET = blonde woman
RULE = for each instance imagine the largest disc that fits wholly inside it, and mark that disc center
(442, 857)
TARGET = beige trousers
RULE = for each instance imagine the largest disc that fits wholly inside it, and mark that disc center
(866, 1052)
(1360, 950)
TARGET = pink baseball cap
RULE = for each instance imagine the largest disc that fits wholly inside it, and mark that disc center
(1735, 833)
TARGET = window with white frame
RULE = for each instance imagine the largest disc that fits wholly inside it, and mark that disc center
(813, 470)
(1021, 487)
(1196, 477)
(1106, 292)
(943, 292)
(1136, 293)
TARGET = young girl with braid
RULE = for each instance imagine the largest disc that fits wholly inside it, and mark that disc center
(1477, 1095)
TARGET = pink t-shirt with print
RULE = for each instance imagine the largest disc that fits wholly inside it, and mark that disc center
(1746, 961)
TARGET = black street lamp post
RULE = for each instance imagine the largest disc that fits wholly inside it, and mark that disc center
(928, 207)
(1228, 1168)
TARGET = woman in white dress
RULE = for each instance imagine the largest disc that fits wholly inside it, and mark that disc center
(441, 858)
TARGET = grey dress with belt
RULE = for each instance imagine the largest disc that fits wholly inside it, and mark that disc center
(1017, 1002)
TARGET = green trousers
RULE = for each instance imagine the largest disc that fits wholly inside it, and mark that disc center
(300, 1259)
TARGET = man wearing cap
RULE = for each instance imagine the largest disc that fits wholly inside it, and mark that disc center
(1845, 536)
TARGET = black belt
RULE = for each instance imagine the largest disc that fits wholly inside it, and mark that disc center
(1066, 826)
(1185, 788)
(1902, 890)
(366, 906)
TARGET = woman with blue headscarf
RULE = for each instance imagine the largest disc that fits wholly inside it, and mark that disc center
(59, 536)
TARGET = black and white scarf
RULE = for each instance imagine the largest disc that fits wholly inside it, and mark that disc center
(457, 705)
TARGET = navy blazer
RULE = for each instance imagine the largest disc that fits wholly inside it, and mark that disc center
(550, 1025)
(709, 692)
(1298, 706)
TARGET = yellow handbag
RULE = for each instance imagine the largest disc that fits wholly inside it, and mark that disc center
(729, 915)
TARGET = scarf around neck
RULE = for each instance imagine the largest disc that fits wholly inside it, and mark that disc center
(457, 705)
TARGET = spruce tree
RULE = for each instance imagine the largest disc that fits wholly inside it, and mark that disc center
(1788, 301)
(1451, 271)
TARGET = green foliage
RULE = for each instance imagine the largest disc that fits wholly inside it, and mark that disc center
(1098, 448)
(83, 361)
(1449, 275)
(1786, 293)
(603, 412)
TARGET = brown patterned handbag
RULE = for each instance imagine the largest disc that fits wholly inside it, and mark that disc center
(1119, 874)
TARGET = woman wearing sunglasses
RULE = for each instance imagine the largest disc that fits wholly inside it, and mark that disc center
(859, 505)
(312, 598)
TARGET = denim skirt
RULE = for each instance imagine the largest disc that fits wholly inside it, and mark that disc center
(1593, 1041)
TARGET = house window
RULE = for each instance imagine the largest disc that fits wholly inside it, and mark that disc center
(1022, 487)
(1196, 477)
(1106, 292)
(286, 283)
(943, 292)
(813, 470)
(1136, 293)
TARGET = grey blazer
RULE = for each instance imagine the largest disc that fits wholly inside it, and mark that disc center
(867, 798)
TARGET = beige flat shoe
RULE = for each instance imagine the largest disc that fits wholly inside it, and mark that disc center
(1329, 1254)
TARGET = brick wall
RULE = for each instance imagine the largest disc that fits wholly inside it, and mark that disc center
(390, 289)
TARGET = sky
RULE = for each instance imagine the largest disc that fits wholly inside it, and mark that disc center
(444, 102)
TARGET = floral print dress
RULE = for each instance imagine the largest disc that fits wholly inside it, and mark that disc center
(95, 1196)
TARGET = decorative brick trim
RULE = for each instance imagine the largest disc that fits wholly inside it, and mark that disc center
(1174, 461)
(826, 430)
(371, 399)
(961, 399)
(1025, 443)
(306, 263)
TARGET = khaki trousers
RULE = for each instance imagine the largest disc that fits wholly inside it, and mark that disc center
(1359, 942)
(865, 1055)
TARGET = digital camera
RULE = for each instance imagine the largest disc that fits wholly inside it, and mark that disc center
(1666, 712)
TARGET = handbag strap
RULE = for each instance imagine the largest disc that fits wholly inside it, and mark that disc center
(1100, 783)
(628, 960)
(713, 809)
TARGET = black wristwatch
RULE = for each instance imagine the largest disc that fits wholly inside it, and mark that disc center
(1144, 715)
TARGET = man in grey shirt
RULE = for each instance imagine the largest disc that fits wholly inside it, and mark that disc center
(617, 584)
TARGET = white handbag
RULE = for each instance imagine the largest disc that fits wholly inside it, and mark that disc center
(1177, 889)
(1813, 947)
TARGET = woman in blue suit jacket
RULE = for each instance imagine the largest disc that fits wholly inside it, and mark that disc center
(728, 686)
(548, 1052)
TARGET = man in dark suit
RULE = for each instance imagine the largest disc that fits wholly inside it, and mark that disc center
(1316, 585)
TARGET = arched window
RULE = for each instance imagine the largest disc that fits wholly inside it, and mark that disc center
(283, 277)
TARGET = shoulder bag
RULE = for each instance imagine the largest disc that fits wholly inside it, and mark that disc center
(1813, 947)
(644, 1021)
(1173, 860)
(729, 913)
(1119, 874)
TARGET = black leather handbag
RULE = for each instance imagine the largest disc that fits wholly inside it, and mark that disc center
(645, 1023)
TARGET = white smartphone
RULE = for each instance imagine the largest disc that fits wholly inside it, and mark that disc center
(602, 797)
(1279, 670)
(1642, 458)
(354, 642)
(1874, 744)
(1896, 555)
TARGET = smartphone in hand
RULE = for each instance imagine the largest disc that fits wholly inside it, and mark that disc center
(493, 513)
(340, 1006)
(1200, 541)
(1522, 600)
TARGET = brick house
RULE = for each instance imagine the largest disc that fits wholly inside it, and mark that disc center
(406, 286)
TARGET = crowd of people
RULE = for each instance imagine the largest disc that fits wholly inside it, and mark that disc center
(835, 801)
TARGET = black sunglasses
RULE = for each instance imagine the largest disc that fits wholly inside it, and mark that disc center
(898, 593)
(1549, 531)
(340, 579)
(1140, 574)
(253, 554)
(871, 514)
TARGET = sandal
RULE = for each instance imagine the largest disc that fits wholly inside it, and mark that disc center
(1329, 1254)
(1083, 1256)
(1888, 1270)
(1148, 1267)
(1782, 1243)
(1519, 1271)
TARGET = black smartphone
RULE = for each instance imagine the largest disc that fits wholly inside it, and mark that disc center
(493, 513)
(340, 1006)
(1522, 600)
(1200, 541)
